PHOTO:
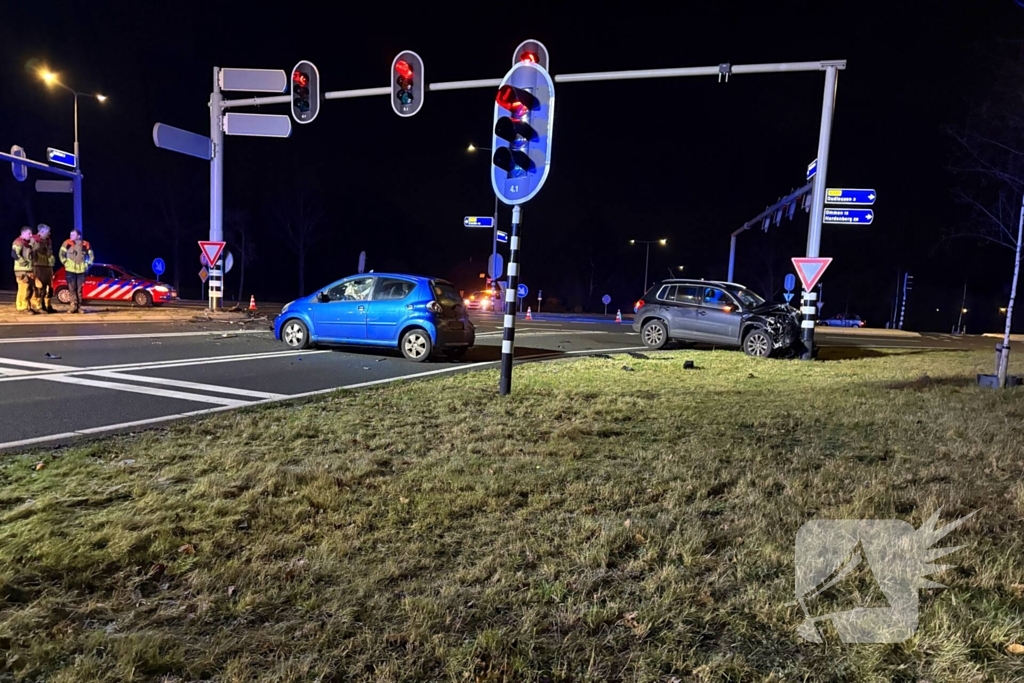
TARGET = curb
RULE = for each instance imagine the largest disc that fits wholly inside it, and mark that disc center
(999, 335)
(866, 331)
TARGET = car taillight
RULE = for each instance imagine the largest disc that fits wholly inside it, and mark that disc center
(638, 305)
(435, 307)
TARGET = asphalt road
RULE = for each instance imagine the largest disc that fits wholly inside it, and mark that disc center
(67, 380)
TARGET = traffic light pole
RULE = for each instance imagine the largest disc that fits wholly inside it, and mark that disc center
(509, 333)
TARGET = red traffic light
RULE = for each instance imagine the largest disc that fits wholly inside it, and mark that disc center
(300, 78)
(403, 69)
(517, 102)
(528, 56)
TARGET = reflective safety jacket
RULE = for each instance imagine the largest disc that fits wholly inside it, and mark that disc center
(44, 252)
(22, 251)
(76, 256)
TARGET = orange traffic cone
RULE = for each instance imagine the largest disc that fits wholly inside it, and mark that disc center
(618, 315)
(252, 302)
(528, 316)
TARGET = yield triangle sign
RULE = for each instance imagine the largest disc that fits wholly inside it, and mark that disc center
(212, 251)
(810, 270)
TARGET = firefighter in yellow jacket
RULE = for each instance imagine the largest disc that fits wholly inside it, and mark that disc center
(76, 255)
(43, 269)
(22, 251)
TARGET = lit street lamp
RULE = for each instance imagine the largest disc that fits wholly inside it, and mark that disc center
(51, 79)
(647, 262)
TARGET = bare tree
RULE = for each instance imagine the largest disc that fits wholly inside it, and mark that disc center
(237, 223)
(298, 213)
(989, 159)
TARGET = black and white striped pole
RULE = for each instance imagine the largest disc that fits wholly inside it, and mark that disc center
(809, 315)
(508, 336)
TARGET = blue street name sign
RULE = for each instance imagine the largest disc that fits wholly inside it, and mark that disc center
(849, 216)
(789, 296)
(812, 169)
(502, 237)
(20, 170)
(159, 266)
(522, 290)
(790, 282)
(842, 195)
(478, 221)
(59, 157)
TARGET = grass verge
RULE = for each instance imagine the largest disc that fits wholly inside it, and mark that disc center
(617, 519)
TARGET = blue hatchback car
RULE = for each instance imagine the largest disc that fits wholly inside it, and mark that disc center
(418, 315)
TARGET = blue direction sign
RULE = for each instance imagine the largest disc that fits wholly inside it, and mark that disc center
(502, 237)
(522, 290)
(849, 216)
(59, 157)
(842, 195)
(812, 169)
(790, 282)
(789, 296)
(159, 266)
(478, 221)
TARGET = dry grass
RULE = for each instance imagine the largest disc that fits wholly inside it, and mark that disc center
(602, 525)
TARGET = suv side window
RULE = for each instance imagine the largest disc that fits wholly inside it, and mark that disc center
(680, 294)
(713, 296)
(393, 289)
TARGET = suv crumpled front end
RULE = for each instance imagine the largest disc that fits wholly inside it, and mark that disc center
(782, 323)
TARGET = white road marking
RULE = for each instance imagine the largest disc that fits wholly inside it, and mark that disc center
(181, 384)
(209, 411)
(148, 391)
(105, 337)
(10, 372)
(17, 362)
(155, 365)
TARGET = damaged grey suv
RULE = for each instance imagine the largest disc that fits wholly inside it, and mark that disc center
(718, 313)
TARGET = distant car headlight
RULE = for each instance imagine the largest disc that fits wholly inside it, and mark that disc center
(465, 302)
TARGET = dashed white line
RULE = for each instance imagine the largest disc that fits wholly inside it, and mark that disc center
(182, 384)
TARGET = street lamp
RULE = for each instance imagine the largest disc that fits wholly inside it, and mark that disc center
(647, 262)
(51, 79)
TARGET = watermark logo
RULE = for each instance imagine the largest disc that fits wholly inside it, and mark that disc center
(863, 576)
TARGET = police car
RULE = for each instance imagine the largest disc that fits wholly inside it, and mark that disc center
(105, 282)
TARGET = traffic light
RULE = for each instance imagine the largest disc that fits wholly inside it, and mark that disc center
(523, 120)
(407, 84)
(531, 51)
(305, 86)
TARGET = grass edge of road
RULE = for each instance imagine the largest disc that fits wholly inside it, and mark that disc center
(617, 518)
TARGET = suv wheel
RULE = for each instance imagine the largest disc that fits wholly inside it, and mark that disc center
(758, 343)
(654, 334)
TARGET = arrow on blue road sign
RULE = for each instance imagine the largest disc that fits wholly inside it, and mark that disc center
(790, 282)
(789, 296)
(478, 221)
(502, 237)
(59, 157)
(812, 168)
(522, 290)
(159, 266)
(849, 216)
(842, 195)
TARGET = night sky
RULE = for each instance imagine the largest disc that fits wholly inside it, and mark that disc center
(689, 159)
